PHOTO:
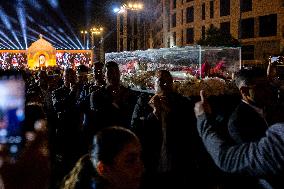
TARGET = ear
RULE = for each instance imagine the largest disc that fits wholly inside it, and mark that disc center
(100, 168)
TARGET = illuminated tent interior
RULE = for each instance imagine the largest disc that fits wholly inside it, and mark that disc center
(41, 54)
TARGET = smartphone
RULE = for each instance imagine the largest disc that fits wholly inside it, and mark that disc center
(274, 59)
(12, 104)
(279, 63)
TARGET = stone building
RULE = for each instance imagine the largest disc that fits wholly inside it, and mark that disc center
(259, 25)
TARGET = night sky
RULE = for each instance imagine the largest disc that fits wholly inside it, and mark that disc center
(65, 17)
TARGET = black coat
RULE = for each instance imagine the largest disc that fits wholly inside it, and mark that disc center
(246, 125)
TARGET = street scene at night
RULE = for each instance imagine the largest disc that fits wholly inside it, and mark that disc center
(139, 94)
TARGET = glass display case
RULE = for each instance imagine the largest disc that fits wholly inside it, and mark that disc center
(186, 64)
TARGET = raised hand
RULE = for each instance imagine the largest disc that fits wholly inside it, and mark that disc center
(202, 106)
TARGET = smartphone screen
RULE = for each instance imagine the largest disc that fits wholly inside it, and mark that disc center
(12, 103)
(274, 59)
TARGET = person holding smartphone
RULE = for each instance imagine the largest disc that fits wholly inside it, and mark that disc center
(24, 153)
(262, 159)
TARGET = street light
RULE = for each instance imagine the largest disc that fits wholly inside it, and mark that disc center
(84, 33)
(122, 32)
(98, 31)
(136, 6)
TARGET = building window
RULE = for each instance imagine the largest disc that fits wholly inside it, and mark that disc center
(268, 25)
(129, 46)
(203, 32)
(181, 38)
(168, 24)
(169, 43)
(121, 25)
(225, 28)
(189, 0)
(121, 45)
(203, 11)
(174, 4)
(247, 28)
(174, 39)
(225, 7)
(129, 27)
(211, 9)
(174, 20)
(135, 25)
(248, 52)
(189, 35)
(246, 5)
(135, 44)
(189, 14)
(182, 17)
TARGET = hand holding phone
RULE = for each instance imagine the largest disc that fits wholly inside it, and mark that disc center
(12, 103)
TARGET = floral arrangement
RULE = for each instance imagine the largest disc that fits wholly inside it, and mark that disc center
(190, 86)
(139, 80)
(212, 86)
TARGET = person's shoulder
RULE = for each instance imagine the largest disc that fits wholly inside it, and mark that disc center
(277, 128)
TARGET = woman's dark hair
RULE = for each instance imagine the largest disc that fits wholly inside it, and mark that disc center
(106, 145)
(108, 142)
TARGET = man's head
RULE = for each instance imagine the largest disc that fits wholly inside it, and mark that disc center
(69, 77)
(98, 71)
(112, 73)
(163, 82)
(254, 86)
(82, 72)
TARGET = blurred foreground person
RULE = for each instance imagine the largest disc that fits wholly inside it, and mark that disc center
(262, 159)
(31, 170)
(112, 163)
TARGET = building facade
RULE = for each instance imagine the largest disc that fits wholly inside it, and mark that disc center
(257, 24)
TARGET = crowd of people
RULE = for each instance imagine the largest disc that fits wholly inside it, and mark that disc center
(96, 133)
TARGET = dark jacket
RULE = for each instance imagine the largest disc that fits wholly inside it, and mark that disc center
(246, 125)
(263, 158)
(157, 141)
(103, 111)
